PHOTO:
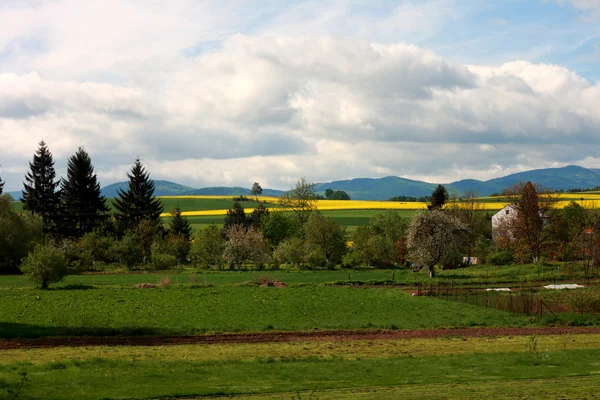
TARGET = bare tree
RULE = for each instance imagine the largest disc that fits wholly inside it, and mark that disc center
(301, 200)
(470, 212)
(533, 205)
(433, 235)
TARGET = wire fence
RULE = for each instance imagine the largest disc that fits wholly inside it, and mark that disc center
(529, 302)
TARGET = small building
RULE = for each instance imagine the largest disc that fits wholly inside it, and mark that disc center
(502, 217)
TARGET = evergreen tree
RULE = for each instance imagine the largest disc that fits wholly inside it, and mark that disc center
(179, 225)
(235, 216)
(83, 206)
(438, 198)
(257, 215)
(40, 195)
(1, 185)
(138, 203)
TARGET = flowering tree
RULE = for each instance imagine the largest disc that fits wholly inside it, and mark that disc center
(432, 236)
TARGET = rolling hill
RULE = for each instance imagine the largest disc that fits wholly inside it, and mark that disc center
(569, 177)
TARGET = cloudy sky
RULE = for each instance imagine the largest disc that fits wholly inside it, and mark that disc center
(228, 92)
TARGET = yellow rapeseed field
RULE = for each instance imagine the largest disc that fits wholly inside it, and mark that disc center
(491, 204)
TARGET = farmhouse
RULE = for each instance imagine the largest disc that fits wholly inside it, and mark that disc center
(502, 217)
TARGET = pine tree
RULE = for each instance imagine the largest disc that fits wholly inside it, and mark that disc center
(1, 185)
(438, 198)
(258, 214)
(138, 202)
(82, 205)
(179, 225)
(235, 216)
(40, 195)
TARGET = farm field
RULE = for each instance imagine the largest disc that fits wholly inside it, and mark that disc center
(184, 311)
(451, 367)
(446, 357)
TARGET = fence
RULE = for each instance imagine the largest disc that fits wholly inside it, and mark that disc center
(520, 301)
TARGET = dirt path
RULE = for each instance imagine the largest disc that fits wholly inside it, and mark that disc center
(335, 335)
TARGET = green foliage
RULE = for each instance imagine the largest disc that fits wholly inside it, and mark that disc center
(45, 265)
(438, 198)
(327, 236)
(501, 257)
(40, 195)
(138, 203)
(128, 251)
(300, 200)
(208, 247)
(83, 207)
(291, 251)
(258, 215)
(163, 260)
(336, 195)
(236, 215)
(18, 235)
(179, 225)
(256, 189)
(276, 227)
(96, 247)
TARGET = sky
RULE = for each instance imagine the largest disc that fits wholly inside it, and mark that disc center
(231, 92)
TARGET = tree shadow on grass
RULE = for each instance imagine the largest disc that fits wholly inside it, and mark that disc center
(9, 330)
(75, 287)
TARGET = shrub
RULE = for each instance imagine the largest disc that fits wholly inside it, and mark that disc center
(45, 265)
(207, 249)
(163, 260)
(503, 257)
(244, 244)
(290, 251)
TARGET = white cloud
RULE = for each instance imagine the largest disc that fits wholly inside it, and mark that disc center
(274, 106)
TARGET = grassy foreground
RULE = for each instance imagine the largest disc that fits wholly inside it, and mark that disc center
(420, 368)
(112, 311)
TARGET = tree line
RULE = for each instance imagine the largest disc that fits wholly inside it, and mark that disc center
(67, 227)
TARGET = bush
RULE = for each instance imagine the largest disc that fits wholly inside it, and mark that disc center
(503, 257)
(45, 265)
(208, 246)
(18, 235)
(163, 260)
(290, 251)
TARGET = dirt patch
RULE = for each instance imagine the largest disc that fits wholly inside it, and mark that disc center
(146, 286)
(336, 335)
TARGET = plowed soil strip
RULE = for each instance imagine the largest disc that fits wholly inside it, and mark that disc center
(334, 335)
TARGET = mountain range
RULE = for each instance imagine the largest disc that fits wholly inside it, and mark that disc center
(565, 178)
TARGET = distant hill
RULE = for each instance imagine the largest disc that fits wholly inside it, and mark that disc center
(379, 188)
(166, 188)
(162, 188)
(232, 191)
(569, 177)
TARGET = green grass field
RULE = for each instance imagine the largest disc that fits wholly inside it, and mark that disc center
(475, 276)
(351, 218)
(421, 368)
(110, 311)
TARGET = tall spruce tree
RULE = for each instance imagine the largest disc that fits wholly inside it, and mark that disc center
(138, 203)
(236, 215)
(82, 204)
(179, 225)
(40, 195)
(438, 198)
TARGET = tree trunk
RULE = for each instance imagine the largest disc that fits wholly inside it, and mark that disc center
(432, 271)
(44, 285)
